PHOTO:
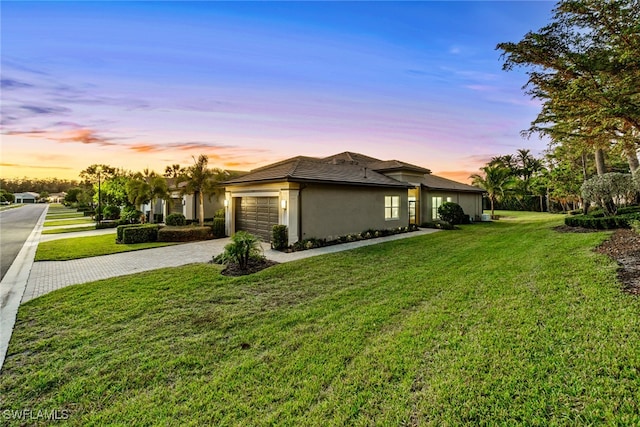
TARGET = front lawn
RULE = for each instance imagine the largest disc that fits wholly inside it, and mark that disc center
(85, 247)
(508, 323)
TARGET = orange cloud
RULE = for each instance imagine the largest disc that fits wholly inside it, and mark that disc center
(460, 176)
(84, 135)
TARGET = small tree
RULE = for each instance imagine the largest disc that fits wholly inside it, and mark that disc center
(200, 179)
(145, 188)
(608, 190)
(243, 247)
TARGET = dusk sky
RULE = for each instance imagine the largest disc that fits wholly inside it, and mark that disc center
(148, 84)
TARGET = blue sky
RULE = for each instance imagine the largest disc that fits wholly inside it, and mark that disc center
(148, 84)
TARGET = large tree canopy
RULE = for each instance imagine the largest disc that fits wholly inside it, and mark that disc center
(585, 68)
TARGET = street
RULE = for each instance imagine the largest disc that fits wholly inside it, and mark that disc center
(15, 226)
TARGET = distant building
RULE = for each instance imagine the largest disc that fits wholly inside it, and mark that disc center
(56, 197)
(26, 197)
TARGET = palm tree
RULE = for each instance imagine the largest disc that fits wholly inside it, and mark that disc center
(200, 179)
(496, 181)
(145, 188)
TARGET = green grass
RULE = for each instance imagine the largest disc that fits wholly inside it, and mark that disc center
(85, 247)
(64, 215)
(69, 230)
(508, 323)
(54, 223)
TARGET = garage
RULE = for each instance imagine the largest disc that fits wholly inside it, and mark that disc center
(257, 215)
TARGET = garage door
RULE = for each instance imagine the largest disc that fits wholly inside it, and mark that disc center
(257, 215)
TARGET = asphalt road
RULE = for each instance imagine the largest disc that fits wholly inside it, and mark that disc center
(15, 226)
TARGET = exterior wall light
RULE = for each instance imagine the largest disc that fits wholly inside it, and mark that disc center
(226, 203)
(283, 204)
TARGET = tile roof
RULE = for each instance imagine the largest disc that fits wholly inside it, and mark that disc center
(346, 168)
(438, 183)
(373, 163)
(310, 169)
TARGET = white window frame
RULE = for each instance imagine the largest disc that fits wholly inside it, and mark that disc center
(436, 202)
(391, 208)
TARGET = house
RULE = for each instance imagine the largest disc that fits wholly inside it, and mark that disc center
(188, 204)
(26, 197)
(56, 197)
(338, 195)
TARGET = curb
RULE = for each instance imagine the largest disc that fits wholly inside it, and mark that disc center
(13, 285)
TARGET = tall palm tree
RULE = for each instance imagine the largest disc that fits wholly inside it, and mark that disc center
(199, 178)
(496, 181)
(145, 188)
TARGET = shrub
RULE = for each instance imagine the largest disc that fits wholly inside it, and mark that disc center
(219, 213)
(452, 213)
(243, 247)
(120, 231)
(442, 225)
(635, 225)
(176, 219)
(608, 190)
(218, 227)
(130, 214)
(141, 234)
(183, 234)
(111, 212)
(602, 223)
(279, 237)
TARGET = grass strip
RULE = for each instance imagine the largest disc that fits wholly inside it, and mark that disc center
(55, 223)
(70, 230)
(507, 323)
(85, 247)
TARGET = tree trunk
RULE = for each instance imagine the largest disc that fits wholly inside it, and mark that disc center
(151, 216)
(201, 208)
(600, 166)
(491, 199)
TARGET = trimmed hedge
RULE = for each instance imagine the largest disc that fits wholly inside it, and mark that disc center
(175, 219)
(184, 234)
(120, 230)
(602, 223)
(140, 234)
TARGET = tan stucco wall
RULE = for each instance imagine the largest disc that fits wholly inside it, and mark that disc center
(211, 205)
(471, 203)
(339, 210)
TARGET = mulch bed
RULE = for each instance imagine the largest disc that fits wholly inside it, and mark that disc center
(624, 247)
(253, 267)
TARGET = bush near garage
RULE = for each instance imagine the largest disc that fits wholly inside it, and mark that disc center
(140, 234)
(184, 234)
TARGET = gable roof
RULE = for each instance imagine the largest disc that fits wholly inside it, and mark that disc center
(310, 169)
(438, 183)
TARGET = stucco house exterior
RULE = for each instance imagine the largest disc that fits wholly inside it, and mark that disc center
(338, 195)
(26, 197)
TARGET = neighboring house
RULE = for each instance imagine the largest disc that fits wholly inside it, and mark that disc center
(338, 195)
(26, 197)
(56, 197)
(188, 204)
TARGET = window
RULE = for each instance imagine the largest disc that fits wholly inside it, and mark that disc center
(391, 207)
(436, 202)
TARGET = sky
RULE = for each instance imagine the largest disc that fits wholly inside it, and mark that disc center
(138, 85)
